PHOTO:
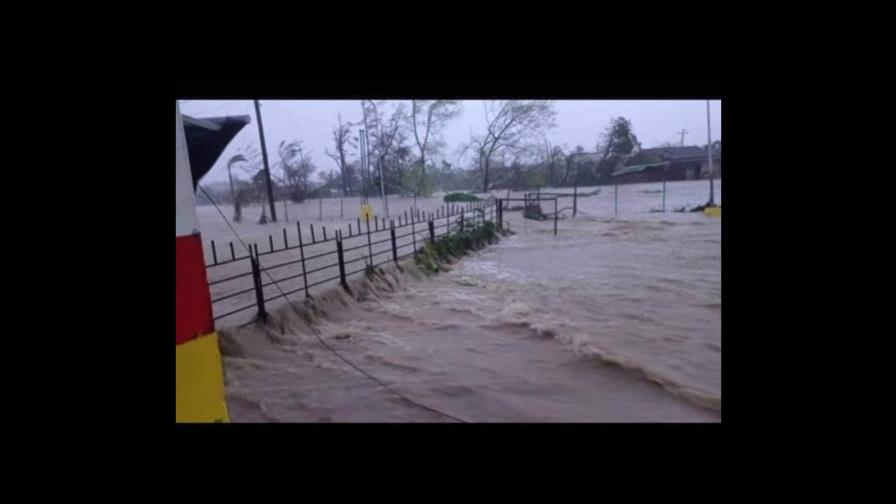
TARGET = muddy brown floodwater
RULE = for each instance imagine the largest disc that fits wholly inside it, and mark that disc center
(616, 319)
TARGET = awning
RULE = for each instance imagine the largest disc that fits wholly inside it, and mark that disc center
(207, 138)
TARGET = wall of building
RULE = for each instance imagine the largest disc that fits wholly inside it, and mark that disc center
(193, 311)
(717, 166)
(199, 379)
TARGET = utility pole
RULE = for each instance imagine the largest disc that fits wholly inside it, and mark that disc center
(683, 132)
(383, 188)
(362, 147)
(264, 156)
(709, 157)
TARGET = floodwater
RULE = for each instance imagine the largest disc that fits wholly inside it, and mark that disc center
(617, 318)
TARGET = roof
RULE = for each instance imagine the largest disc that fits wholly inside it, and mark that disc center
(638, 168)
(207, 138)
(687, 153)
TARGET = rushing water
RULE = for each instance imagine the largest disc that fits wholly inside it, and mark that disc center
(616, 318)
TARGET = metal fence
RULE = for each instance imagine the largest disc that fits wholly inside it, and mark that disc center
(633, 197)
(241, 282)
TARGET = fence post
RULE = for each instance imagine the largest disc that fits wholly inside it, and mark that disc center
(256, 280)
(394, 248)
(302, 255)
(432, 232)
(447, 224)
(312, 233)
(461, 221)
(575, 197)
(664, 191)
(341, 261)
(369, 246)
(214, 253)
(500, 213)
(615, 199)
(232, 252)
(413, 232)
(271, 242)
(555, 216)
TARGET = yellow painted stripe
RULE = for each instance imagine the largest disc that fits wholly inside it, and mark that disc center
(200, 381)
(713, 211)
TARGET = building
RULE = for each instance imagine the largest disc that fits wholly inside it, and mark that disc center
(199, 387)
(687, 163)
(651, 172)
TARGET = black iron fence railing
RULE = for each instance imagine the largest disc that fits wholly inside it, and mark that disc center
(295, 264)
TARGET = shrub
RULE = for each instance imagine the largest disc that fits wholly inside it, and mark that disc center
(456, 197)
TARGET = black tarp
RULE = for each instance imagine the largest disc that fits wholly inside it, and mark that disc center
(207, 138)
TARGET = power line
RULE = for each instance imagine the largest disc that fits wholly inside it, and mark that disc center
(317, 333)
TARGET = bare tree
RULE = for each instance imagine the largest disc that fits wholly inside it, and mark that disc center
(342, 139)
(475, 148)
(555, 156)
(384, 132)
(427, 119)
(573, 159)
(511, 123)
(297, 167)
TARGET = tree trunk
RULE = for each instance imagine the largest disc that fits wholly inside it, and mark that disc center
(485, 177)
(342, 169)
(422, 174)
(232, 192)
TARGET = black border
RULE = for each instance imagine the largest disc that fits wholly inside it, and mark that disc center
(451, 87)
(668, 435)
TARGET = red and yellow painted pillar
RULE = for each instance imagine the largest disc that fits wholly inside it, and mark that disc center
(199, 380)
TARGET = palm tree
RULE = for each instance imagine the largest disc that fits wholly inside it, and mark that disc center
(239, 158)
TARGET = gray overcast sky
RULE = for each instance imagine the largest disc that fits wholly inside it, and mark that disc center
(578, 122)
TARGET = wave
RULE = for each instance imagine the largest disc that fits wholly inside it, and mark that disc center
(289, 331)
(586, 348)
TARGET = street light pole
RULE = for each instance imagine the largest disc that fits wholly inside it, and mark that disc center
(264, 157)
(362, 148)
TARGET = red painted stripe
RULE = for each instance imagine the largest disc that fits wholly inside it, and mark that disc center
(193, 308)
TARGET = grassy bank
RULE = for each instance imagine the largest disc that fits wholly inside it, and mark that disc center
(434, 255)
